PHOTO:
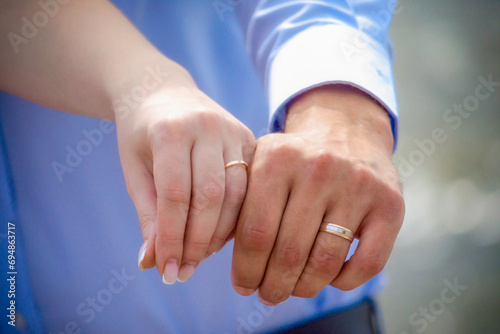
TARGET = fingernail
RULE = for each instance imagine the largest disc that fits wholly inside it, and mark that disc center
(265, 302)
(142, 254)
(170, 272)
(244, 291)
(186, 272)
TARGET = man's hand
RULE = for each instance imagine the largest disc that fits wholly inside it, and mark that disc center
(332, 164)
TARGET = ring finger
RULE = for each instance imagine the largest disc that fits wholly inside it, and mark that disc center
(236, 186)
(329, 251)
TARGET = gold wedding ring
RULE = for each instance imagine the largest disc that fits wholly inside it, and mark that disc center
(337, 230)
(236, 163)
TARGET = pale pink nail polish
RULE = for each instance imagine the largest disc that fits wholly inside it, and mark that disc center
(170, 272)
(186, 272)
(142, 254)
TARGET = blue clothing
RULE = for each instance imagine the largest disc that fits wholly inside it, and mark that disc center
(17, 300)
(80, 228)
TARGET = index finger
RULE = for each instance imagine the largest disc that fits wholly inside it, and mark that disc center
(172, 177)
(257, 228)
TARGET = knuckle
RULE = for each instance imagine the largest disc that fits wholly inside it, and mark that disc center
(390, 205)
(248, 146)
(204, 197)
(325, 258)
(274, 158)
(361, 176)
(164, 131)
(177, 195)
(172, 240)
(256, 238)
(218, 239)
(323, 159)
(280, 151)
(284, 151)
(147, 221)
(268, 139)
(209, 119)
(248, 137)
(289, 256)
(198, 245)
(372, 264)
(236, 193)
(213, 192)
(362, 180)
(248, 151)
(321, 164)
(396, 203)
(289, 276)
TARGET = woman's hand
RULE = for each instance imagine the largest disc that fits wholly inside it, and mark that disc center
(173, 143)
(173, 149)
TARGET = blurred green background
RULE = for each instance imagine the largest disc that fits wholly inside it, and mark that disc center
(451, 233)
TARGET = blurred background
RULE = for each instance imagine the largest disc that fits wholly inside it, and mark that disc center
(449, 156)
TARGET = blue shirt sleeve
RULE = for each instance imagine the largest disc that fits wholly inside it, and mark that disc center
(298, 45)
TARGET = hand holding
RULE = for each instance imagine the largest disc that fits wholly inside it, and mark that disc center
(173, 149)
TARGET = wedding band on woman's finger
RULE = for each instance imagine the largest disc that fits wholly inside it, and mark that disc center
(337, 230)
(236, 163)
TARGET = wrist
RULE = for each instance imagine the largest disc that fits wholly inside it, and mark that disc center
(341, 112)
(143, 79)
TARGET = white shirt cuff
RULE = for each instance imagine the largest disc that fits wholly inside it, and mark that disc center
(330, 54)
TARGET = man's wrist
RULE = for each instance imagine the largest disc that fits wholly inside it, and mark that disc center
(342, 111)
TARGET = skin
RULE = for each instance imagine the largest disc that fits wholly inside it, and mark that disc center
(332, 163)
(173, 151)
(173, 144)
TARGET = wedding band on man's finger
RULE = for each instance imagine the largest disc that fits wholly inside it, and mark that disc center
(337, 230)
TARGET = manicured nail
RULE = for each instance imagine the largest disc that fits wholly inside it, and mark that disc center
(186, 272)
(142, 254)
(170, 272)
